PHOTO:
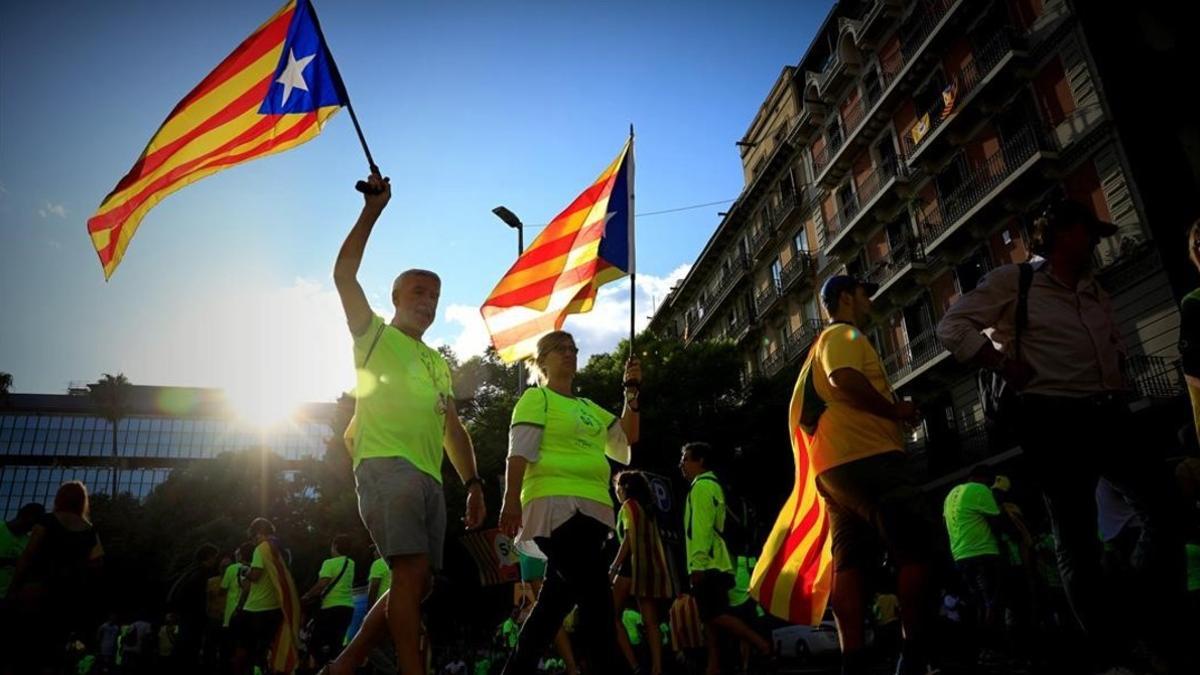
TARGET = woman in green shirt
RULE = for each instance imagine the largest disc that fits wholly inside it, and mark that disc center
(333, 589)
(557, 501)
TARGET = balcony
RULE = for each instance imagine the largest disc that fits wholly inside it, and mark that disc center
(841, 68)
(988, 180)
(760, 237)
(918, 355)
(796, 342)
(765, 298)
(788, 202)
(876, 20)
(773, 363)
(983, 69)
(874, 190)
(823, 158)
(801, 266)
(729, 278)
(889, 271)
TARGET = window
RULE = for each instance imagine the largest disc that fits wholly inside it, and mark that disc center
(777, 273)
(800, 241)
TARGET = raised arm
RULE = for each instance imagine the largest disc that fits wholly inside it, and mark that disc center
(345, 270)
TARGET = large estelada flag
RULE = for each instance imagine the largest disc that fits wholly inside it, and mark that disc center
(586, 246)
(274, 92)
(794, 574)
(284, 654)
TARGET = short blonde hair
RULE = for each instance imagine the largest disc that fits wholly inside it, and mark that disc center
(545, 344)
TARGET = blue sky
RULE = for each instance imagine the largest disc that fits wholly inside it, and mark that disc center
(466, 105)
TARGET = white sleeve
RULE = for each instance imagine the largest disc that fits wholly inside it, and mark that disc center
(617, 446)
(525, 440)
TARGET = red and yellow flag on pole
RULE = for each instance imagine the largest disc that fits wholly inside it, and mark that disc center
(794, 574)
(586, 246)
(274, 92)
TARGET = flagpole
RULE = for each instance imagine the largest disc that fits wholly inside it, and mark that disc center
(632, 249)
(362, 185)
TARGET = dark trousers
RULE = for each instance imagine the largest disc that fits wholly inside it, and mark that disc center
(329, 632)
(1070, 443)
(576, 574)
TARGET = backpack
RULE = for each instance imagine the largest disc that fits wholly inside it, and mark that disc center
(998, 399)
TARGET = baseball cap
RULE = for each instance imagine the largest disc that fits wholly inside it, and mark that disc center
(842, 283)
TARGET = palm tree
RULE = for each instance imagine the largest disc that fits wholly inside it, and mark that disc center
(110, 395)
(5, 382)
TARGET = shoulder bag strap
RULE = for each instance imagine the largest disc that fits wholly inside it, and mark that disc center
(336, 579)
(1022, 318)
(371, 349)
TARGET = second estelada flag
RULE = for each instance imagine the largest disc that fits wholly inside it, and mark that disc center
(586, 246)
(274, 92)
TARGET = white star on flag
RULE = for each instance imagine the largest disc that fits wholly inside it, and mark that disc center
(292, 76)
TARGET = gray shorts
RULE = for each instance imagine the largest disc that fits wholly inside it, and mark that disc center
(403, 508)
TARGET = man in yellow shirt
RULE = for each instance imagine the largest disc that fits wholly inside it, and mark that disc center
(403, 418)
(857, 453)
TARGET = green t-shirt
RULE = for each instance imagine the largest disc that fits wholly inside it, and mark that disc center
(965, 511)
(402, 398)
(262, 596)
(1193, 567)
(233, 591)
(11, 547)
(380, 570)
(571, 461)
(632, 620)
(340, 594)
(483, 666)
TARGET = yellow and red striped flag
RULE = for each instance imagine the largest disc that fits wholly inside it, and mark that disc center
(274, 92)
(794, 574)
(586, 246)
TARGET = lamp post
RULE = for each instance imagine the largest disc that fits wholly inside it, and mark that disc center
(514, 222)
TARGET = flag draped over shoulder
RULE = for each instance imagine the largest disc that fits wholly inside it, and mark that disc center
(274, 92)
(586, 246)
(284, 656)
(794, 574)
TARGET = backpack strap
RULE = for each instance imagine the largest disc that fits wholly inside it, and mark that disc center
(345, 564)
(1022, 318)
(371, 349)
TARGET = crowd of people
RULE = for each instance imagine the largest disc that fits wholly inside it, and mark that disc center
(1115, 535)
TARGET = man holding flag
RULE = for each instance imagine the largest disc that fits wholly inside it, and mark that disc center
(846, 426)
(404, 415)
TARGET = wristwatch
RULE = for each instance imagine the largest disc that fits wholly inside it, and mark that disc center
(473, 480)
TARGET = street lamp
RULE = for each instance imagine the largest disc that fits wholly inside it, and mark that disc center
(514, 222)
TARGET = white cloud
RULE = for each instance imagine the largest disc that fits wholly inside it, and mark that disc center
(472, 337)
(53, 210)
(595, 332)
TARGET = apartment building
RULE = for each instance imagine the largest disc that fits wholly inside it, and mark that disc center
(913, 145)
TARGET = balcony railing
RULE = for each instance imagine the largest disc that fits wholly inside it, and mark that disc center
(915, 353)
(729, 278)
(800, 266)
(797, 341)
(979, 184)
(909, 252)
(788, 201)
(764, 298)
(773, 362)
(1155, 377)
(841, 218)
(985, 61)
(822, 158)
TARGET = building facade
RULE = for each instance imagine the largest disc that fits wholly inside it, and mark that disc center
(913, 145)
(46, 439)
